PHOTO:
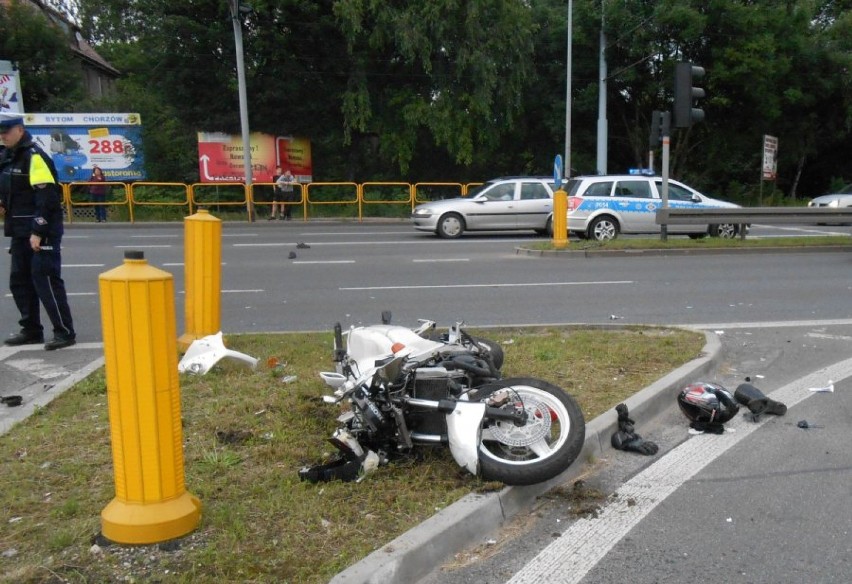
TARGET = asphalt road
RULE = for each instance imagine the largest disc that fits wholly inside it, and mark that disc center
(767, 503)
(351, 273)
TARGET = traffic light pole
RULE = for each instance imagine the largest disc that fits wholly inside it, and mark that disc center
(664, 231)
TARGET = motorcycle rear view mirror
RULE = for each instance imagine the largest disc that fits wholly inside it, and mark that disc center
(334, 380)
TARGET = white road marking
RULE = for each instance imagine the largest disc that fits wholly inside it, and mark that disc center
(800, 230)
(523, 285)
(254, 291)
(37, 368)
(323, 233)
(829, 337)
(326, 262)
(771, 324)
(579, 549)
(139, 246)
(398, 242)
(441, 260)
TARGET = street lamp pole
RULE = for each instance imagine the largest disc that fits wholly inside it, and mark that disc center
(602, 120)
(568, 92)
(234, 6)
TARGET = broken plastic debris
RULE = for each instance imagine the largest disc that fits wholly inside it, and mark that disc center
(615, 317)
(289, 379)
(719, 332)
(827, 389)
(204, 353)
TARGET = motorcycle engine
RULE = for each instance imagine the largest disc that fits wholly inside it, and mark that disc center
(434, 383)
(437, 383)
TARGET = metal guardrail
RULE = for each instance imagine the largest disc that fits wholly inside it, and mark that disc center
(749, 215)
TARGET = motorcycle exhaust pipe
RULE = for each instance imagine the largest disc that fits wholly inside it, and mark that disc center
(442, 439)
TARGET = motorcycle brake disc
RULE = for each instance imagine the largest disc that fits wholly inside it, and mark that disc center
(536, 428)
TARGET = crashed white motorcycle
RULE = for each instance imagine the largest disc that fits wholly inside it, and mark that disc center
(406, 390)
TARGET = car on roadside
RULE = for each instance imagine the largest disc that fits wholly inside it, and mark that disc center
(840, 199)
(601, 207)
(507, 203)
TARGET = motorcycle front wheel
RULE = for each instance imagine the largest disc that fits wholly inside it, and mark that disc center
(542, 448)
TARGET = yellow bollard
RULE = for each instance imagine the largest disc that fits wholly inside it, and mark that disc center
(560, 219)
(151, 503)
(203, 277)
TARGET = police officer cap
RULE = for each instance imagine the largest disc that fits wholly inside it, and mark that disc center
(9, 121)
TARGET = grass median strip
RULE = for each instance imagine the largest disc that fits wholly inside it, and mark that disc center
(246, 434)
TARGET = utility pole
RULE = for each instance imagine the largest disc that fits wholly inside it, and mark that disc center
(568, 91)
(236, 11)
(602, 121)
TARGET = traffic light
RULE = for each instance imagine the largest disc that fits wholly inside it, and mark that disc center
(685, 95)
(660, 126)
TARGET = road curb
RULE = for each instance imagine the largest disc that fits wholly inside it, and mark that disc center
(417, 552)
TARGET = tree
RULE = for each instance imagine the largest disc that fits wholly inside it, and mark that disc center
(50, 75)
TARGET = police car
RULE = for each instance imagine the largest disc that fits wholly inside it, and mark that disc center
(601, 207)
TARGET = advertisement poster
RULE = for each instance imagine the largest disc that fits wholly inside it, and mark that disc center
(770, 157)
(220, 157)
(11, 101)
(78, 142)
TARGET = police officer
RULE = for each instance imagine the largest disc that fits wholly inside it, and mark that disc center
(31, 205)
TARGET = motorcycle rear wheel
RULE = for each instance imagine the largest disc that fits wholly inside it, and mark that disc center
(547, 445)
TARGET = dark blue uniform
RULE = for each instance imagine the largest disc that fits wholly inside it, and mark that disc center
(31, 196)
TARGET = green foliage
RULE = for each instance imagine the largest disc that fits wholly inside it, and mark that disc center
(49, 73)
(466, 91)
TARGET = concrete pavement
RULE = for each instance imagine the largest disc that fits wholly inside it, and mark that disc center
(39, 376)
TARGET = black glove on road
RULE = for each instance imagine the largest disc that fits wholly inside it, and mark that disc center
(627, 439)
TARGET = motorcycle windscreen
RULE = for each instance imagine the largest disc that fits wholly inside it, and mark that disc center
(464, 430)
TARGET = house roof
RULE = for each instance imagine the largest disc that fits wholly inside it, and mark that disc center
(76, 41)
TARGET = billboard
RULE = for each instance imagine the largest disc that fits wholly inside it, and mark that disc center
(78, 142)
(770, 157)
(11, 101)
(220, 157)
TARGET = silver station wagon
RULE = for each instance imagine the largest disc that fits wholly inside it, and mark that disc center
(601, 207)
(511, 203)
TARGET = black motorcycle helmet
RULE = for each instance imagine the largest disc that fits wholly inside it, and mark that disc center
(707, 403)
